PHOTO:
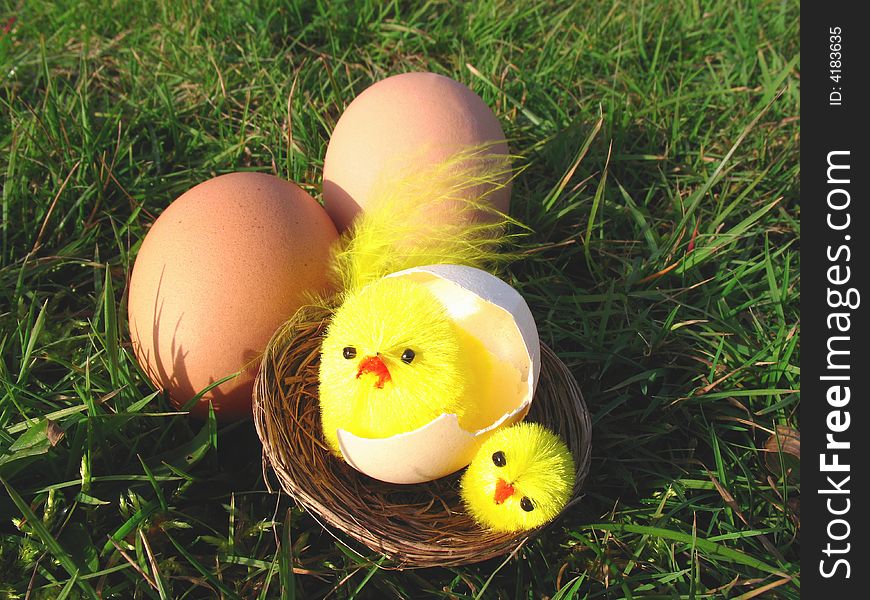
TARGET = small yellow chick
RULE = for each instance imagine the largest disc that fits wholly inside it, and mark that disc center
(521, 478)
(391, 362)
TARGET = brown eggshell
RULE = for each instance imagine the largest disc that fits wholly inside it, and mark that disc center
(400, 124)
(220, 269)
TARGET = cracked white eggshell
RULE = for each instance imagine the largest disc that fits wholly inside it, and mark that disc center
(495, 313)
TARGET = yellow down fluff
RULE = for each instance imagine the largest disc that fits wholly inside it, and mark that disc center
(537, 466)
(429, 217)
(417, 220)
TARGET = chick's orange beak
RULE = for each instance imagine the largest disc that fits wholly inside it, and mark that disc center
(375, 366)
(503, 491)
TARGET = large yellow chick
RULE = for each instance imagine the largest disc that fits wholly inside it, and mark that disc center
(521, 478)
(390, 362)
(393, 360)
(397, 354)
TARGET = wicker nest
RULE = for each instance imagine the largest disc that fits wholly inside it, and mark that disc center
(421, 525)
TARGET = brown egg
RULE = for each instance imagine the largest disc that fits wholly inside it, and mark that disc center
(220, 269)
(404, 122)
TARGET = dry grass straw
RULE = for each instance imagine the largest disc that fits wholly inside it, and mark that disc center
(414, 526)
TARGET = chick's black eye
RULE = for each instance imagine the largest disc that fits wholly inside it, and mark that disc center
(349, 352)
(526, 504)
(498, 459)
(407, 356)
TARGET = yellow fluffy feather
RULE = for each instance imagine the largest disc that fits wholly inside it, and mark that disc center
(391, 358)
(437, 215)
(520, 478)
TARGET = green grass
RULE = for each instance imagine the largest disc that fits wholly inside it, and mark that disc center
(664, 270)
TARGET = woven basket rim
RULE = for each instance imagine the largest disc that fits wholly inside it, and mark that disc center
(416, 526)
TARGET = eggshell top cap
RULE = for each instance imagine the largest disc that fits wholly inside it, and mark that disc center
(498, 316)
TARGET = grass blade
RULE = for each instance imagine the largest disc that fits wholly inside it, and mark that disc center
(709, 548)
(32, 337)
(51, 543)
(285, 560)
(209, 576)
